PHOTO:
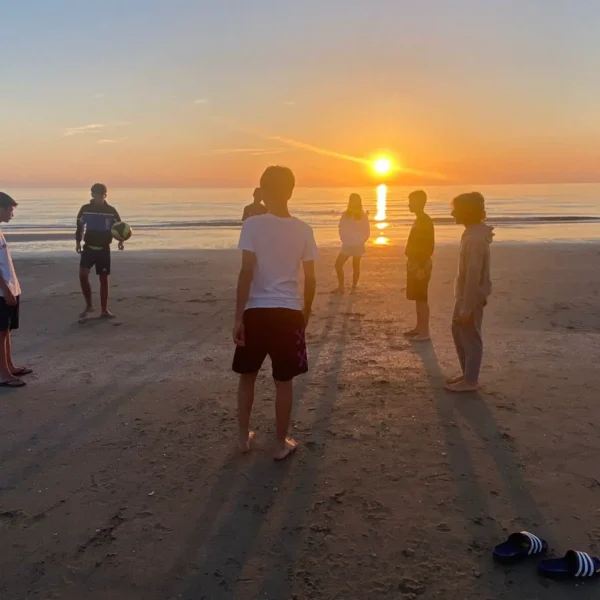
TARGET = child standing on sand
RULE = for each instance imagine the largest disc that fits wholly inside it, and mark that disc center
(270, 319)
(419, 250)
(10, 295)
(472, 288)
(355, 231)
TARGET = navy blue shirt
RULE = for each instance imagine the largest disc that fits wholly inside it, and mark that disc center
(94, 222)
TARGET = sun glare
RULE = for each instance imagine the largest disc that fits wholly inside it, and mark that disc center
(382, 166)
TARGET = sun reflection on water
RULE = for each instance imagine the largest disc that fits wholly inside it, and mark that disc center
(381, 215)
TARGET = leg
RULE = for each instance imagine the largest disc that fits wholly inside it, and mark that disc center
(355, 271)
(283, 409)
(9, 361)
(468, 338)
(339, 269)
(6, 376)
(474, 348)
(245, 402)
(423, 318)
(86, 289)
(104, 296)
(460, 350)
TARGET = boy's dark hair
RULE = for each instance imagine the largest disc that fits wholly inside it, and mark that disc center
(278, 182)
(99, 188)
(6, 201)
(471, 206)
(257, 193)
(418, 197)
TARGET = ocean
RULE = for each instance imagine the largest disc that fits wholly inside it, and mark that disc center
(210, 218)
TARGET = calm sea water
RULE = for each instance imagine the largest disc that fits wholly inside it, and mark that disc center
(210, 218)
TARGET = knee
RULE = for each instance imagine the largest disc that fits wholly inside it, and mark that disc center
(84, 275)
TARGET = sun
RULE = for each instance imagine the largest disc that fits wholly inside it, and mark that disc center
(382, 166)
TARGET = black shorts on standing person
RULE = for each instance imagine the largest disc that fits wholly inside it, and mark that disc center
(277, 333)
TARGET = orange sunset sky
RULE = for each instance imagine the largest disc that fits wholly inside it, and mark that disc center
(208, 93)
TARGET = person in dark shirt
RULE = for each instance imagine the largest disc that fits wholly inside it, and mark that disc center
(94, 223)
(419, 250)
(256, 208)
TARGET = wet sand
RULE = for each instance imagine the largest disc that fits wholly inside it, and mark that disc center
(118, 480)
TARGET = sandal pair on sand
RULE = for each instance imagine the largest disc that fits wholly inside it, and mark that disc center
(573, 565)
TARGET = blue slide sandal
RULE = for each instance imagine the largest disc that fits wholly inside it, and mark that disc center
(573, 565)
(519, 546)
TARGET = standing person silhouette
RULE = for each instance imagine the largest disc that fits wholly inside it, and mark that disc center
(256, 208)
(419, 250)
(355, 231)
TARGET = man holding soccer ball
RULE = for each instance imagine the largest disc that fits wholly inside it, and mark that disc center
(95, 222)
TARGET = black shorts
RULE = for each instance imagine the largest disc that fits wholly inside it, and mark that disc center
(100, 258)
(278, 333)
(9, 315)
(417, 289)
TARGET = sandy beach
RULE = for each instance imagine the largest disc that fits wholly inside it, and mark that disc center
(117, 475)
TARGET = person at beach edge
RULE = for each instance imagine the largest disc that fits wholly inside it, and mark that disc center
(354, 230)
(269, 318)
(94, 223)
(256, 208)
(419, 250)
(10, 296)
(472, 289)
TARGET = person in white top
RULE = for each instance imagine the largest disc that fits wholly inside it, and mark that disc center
(10, 294)
(355, 231)
(270, 318)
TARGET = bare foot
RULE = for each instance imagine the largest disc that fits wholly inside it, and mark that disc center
(281, 453)
(411, 333)
(244, 444)
(337, 291)
(455, 379)
(462, 387)
(421, 337)
(86, 312)
(106, 314)
(354, 290)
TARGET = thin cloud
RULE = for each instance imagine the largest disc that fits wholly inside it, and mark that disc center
(289, 103)
(324, 151)
(92, 128)
(123, 123)
(201, 101)
(112, 141)
(251, 151)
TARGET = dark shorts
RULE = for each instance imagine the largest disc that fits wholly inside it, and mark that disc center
(277, 333)
(417, 289)
(9, 315)
(100, 258)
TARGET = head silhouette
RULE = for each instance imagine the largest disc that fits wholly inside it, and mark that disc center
(277, 186)
(355, 207)
(417, 201)
(468, 209)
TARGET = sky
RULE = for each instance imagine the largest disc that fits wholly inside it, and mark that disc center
(208, 93)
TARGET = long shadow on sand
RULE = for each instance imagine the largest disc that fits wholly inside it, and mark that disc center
(473, 499)
(212, 562)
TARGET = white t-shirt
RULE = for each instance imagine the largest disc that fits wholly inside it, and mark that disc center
(7, 269)
(281, 245)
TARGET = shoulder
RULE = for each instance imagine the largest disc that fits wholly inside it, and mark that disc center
(110, 208)
(85, 206)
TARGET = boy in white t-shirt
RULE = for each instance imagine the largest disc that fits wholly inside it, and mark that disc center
(270, 318)
(10, 292)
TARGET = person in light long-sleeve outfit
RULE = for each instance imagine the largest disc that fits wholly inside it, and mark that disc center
(472, 289)
(355, 231)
